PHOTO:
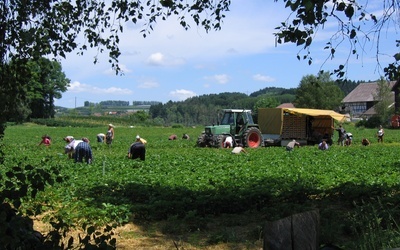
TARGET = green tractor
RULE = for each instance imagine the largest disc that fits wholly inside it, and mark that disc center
(237, 123)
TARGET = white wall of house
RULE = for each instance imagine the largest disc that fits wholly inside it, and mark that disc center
(356, 108)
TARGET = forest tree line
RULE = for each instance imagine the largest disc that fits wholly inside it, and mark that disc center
(111, 103)
(204, 109)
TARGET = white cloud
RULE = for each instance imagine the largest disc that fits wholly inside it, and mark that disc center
(156, 59)
(148, 85)
(160, 59)
(238, 36)
(182, 94)
(262, 78)
(77, 87)
(221, 79)
(244, 44)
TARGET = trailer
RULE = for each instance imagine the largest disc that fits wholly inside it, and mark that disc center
(278, 126)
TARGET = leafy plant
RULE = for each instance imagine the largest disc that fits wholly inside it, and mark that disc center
(184, 187)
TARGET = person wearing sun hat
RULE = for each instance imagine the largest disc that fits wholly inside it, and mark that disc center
(110, 134)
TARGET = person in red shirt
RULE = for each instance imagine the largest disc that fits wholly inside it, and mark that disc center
(46, 140)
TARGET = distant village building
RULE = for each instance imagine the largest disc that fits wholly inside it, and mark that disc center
(360, 102)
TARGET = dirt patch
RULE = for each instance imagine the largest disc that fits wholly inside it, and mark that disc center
(223, 233)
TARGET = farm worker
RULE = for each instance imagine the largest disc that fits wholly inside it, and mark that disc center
(137, 150)
(349, 139)
(380, 133)
(365, 142)
(228, 143)
(110, 134)
(185, 136)
(101, 137)
(46, 140)
(323, 145)
(341, 134)
(290, 146)
(68, 138)
(172, 137)
(83, 150)
(140, 139)
(85, 139)
(79, 149)
(238, 150)
(70, 147)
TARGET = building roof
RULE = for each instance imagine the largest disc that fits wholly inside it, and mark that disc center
(371, 111)
(286, 105)
(364, 92)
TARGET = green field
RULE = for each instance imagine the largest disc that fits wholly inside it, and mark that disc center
(355, 188)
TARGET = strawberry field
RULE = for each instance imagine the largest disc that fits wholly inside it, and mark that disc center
(354, 188)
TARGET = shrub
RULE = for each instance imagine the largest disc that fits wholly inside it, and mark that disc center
(177, 126)
(373, 122)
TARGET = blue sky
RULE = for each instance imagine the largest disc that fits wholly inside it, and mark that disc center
(174, 64)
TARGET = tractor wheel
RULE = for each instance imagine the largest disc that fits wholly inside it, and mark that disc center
(220, 141)
(201, 142)
(252, 138)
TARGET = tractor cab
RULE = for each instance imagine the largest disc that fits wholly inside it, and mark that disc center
(236, 119)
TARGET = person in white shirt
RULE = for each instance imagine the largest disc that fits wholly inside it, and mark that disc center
(79, 150)
(238, 150)
(101, 137)
(228, 143)
(323, 145)
(290, 146)
(380, 134)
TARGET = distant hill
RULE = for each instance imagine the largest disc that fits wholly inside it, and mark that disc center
(204, 109)
(273, 91)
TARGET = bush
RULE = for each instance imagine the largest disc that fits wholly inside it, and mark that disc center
(177, 126)
(373, 122)
(361, 123)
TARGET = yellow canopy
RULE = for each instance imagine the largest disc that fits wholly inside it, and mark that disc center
(316, 112)
(271, 120)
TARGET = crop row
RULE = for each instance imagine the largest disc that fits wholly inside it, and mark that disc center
(179, 179)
